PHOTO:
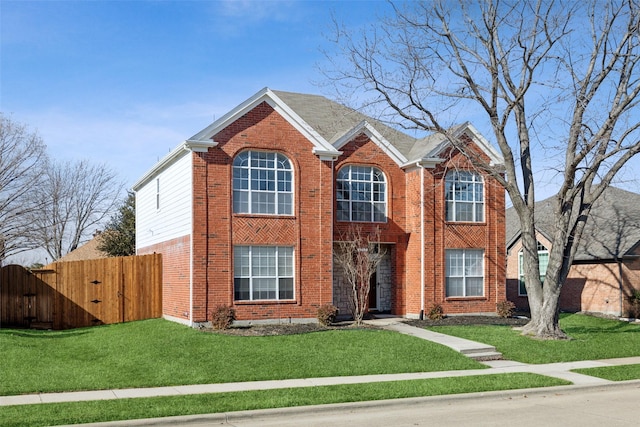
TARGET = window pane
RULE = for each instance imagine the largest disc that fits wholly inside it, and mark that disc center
(285, 290)
(474, 287)
(264, 288)
(241, 289)
(454, 287)
(265, 177)
(366, 186)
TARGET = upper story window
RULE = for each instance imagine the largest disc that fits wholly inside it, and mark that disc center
(543, 262)
(464, 192)
(361, 193)
(262, 183)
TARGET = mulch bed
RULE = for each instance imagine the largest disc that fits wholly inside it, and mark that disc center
(303, 328)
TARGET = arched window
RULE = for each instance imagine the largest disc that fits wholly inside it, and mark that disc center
(262, 183)
(361, 193)
(464, 192)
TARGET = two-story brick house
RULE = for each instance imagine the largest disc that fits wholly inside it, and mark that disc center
(246, 213)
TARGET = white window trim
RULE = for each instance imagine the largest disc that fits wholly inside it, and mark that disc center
(252, 192)
(477, 179)
(464, 276)
(542, 250)
(277, 277)
(371, 202)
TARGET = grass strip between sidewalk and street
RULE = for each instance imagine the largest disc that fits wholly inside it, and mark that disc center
(591, 338)
(128, 409)
(613, 373)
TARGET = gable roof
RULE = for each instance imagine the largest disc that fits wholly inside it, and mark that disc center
(612, 230)
(329, 125)
(87, 251)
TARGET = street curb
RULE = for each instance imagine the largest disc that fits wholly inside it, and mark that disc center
(230, 417)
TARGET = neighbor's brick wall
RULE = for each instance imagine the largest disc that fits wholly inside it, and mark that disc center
(175, 275)
(593, 287)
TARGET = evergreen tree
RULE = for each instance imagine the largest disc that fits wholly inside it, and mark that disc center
(119, 239)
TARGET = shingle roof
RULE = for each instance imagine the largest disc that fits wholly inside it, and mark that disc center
(333, 120)
(612, 230)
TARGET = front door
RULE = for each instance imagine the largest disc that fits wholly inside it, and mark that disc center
(373, 292)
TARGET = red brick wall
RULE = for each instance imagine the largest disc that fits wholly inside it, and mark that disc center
(442, 235)
(175, 275)
(362, 151)
(593, 287)
(217, 228)
(403, 229)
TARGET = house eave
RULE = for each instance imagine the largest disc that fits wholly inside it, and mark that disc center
(190, 145)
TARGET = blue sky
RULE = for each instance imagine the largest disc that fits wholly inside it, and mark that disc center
(123, 82)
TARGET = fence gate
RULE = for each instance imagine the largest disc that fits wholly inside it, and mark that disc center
(82, 293)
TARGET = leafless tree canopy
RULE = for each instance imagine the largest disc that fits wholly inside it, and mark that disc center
(556, 82)
(81, 196)
(22, 156)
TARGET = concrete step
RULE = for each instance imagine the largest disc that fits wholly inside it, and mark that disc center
(485, 356)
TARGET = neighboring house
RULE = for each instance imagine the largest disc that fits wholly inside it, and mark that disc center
(86, 251)
(606, 268)
(246, 212)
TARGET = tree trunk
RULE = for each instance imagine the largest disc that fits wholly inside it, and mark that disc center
(544, 323)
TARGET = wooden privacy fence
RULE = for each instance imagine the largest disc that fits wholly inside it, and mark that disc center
(75, 294)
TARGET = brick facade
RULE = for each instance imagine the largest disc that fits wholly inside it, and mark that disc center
(593, 287)
(415, 235)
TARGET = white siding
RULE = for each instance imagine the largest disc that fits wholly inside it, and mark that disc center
(174, 218)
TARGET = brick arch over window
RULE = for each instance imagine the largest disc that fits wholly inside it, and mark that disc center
(361, 194)
(262, 183)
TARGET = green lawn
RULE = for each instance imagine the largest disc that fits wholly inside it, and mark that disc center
(126, 409)
(613, 373)
(161, 353)
(592, 338)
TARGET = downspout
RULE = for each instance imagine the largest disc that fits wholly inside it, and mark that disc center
(422, 240)
(191, 235)
(620, 285)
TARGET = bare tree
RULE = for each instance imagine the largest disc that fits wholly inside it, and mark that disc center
(81, 196)
(358, 255)
(22, 157)
(556, 82)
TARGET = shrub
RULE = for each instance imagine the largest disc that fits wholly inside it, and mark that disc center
(436, 312)
(327, 314)
(222, 317)
(505, 308)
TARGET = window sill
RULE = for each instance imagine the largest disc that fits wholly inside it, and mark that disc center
(465, 223)
(251, 215)
(466, 298)
(265, 302)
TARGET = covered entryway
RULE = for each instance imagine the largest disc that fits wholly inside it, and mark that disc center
(380, 290)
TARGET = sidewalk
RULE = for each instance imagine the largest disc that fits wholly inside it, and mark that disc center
(557, 370)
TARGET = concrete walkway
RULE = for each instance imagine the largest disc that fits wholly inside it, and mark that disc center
(558, 370)
(472, 349)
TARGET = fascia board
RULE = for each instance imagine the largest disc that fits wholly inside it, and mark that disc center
(366, 128)
(467, 128)
(166, 161)
(266, 95)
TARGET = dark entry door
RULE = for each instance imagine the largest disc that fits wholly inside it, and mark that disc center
(373, 292)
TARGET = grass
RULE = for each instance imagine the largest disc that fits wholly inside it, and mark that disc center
(592, 338)
(613, 373)
(157, 352)
(126, 409)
